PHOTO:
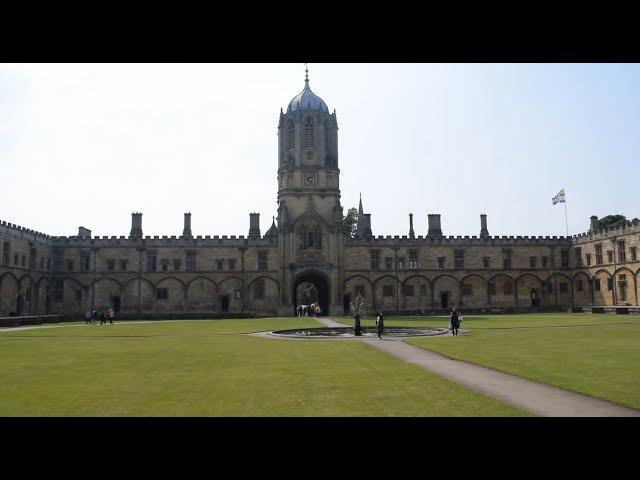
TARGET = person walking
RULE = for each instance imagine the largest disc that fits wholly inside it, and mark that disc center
(103, 321)
(317, 310)
(380, 324)
(111, 315)
(455, 321)
(94, 316)
(87, 317)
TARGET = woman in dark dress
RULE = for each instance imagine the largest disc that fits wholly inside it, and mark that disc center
(455, 321)
(380, 324)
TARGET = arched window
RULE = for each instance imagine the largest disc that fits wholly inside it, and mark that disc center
(327, 135)
(310, 237)
(291, 135)
(308, 133)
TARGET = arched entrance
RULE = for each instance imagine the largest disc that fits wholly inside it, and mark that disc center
(321, 284)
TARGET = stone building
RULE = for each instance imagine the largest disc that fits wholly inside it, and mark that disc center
(211, 275)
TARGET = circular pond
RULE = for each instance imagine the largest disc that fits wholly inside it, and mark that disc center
(323, 332)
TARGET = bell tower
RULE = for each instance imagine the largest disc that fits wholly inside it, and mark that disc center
(308, 155)
(309, 210)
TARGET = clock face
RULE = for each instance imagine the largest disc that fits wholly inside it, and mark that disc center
(310, 179)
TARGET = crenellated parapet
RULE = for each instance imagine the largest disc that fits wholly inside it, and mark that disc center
(163, 241)
(17, 231)
(459, 240)
(628, 228)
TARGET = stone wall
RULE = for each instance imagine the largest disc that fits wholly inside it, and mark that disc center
(58, 273)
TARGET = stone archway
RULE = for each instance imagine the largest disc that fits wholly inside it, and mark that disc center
(320, 282)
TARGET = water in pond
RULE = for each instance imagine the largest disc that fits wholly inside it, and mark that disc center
(366, 332)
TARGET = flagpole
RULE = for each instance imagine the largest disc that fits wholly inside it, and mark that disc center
(566, 221)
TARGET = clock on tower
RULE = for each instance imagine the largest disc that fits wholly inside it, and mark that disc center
(310, 179)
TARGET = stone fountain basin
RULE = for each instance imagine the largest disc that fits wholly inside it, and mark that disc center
(342, 332)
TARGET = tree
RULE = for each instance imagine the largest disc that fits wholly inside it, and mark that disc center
(350, 223)
(309, 292)
(611, 221)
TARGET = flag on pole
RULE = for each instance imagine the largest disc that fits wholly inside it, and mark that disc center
(559, 198)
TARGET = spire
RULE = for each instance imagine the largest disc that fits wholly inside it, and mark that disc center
(272, 233)
(306, 74)
(361, 223)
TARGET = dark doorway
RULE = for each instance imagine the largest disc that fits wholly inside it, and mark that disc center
(19, 305)
(535, 299)
(115, 300)
(346, 304)
(224, 303)
(444, 299)
(622, 288)
(321, 286)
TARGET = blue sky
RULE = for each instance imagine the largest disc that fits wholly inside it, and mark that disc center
(85, 144)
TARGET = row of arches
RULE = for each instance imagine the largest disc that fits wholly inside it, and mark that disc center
(169, 294)
(499, 290)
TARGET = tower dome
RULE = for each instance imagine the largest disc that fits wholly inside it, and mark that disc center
(307, 100)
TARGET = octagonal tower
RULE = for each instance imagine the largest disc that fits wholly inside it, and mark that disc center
(309, 210)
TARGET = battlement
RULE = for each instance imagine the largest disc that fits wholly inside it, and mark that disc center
(161, 241)
(628, 228)
(23, 232)
(458, 240)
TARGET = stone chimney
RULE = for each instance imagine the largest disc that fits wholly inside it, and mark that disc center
(367, 225)
(434, 225)
(84, 233)
(483, 226)
(594, 224)
(186, 231)
(411, 233)
(136, 226)
(254, 226)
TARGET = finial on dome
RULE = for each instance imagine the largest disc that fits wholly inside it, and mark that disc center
(306, 73)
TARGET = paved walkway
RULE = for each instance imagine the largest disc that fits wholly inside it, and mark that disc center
(537, 398)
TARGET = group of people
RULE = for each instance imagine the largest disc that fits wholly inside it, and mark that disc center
(307, 310)
(455, 316)
(92, 316)
(456, 319)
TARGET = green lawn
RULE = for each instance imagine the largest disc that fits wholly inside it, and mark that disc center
(209, 368)
(598, 355)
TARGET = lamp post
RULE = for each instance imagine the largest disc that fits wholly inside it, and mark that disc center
(31, 265)
(395, 258)
(140, 250)
(93, 283)
(613, 275)
(242, 248)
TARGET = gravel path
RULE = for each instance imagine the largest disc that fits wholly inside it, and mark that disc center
(537, 398)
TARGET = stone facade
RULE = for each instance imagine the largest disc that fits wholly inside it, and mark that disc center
(212, 275)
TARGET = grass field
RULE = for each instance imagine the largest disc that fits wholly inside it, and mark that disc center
(598, 355)
(209, 368)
